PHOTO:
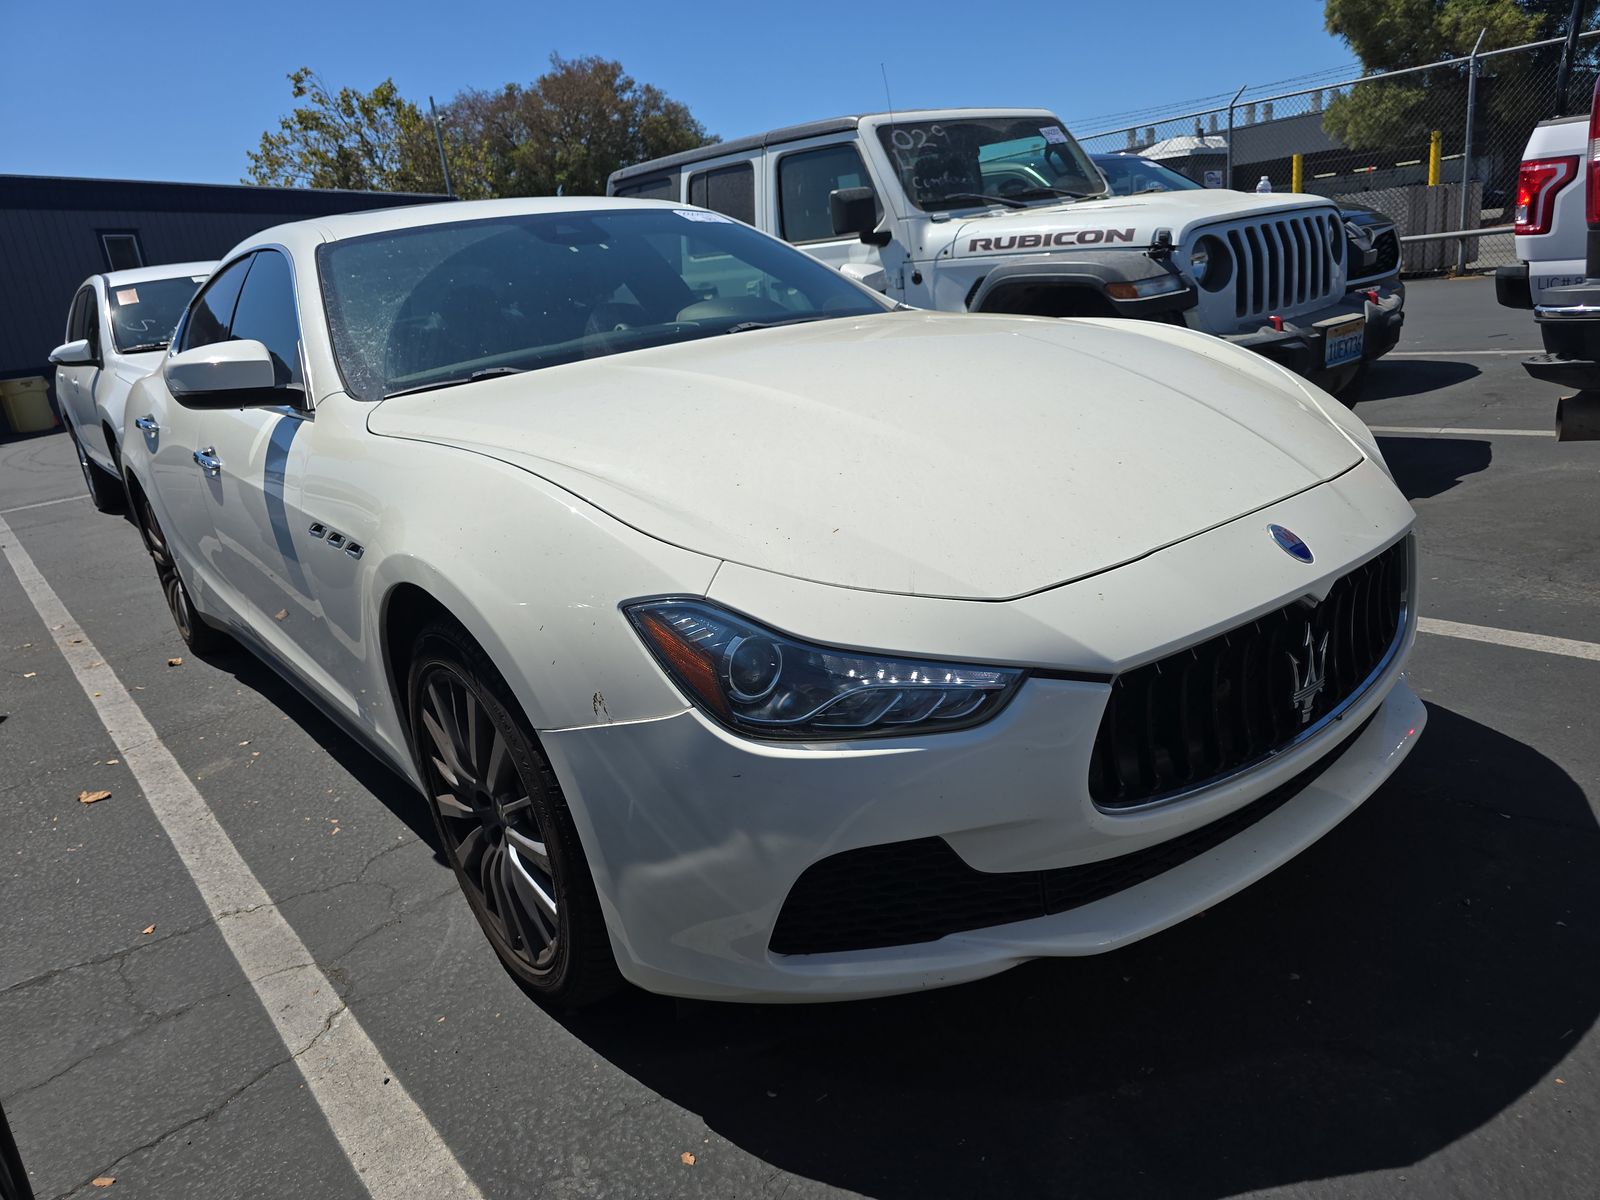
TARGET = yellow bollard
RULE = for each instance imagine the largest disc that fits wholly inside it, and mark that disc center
(1297, 172)
(1435, 146)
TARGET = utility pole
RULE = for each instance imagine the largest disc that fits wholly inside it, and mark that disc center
(438, 138)
(1568, 51)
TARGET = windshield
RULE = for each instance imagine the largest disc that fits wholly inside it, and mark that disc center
(440, 304)
(1129, 175)
(143, 315)
(960, 164)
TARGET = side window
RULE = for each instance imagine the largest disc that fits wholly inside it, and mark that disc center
(805, 178)
(212, 311)
(78, 318)
(659, 187)
(727, 190)
(266, 313)
(91, 322)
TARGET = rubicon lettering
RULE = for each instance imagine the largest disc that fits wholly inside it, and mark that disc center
(1038, 241)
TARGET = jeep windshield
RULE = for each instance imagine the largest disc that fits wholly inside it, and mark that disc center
(441, 304)
(991, 160)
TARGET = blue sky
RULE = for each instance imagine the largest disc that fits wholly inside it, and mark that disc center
(195, 84)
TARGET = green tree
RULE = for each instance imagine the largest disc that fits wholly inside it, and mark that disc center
(571, 127)
(372, 141)
(1390, 35)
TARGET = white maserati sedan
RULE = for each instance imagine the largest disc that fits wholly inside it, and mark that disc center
(117, 328)
(753, 637)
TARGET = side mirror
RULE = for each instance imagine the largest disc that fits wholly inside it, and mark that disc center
(855, 210)
(226, 375)
(74, 354)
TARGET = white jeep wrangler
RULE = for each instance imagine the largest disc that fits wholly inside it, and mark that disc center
(1000, 210)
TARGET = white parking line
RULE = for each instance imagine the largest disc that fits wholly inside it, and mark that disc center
(1458, 353)
(41, 504)
(1511, 637)
(392, 1145)
(1448, 430)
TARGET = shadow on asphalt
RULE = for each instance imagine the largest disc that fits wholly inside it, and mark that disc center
(396, 794)
(1393, 377)
(1390, 990)
(1425, 466)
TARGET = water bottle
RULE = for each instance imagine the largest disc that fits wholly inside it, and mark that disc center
(1264, 186)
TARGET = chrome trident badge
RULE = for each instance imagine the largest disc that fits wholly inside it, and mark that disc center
(1310, 676)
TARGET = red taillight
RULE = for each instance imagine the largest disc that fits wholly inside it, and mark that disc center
(1538, 181)
(1591, 199)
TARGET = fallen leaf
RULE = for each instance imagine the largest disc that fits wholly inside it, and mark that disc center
(74, 641)
(30, 674)
(686, 1159)
(148, 929)
(174, 662)
(102, 1181)
(280, 614)
(246, 742)
(111, 762)
(1559, 1079)
(93, 797)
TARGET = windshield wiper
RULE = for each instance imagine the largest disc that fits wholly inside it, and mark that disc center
(746, 326)
(144, 347)
(485, 373)
(984, 197)
(1039, 193)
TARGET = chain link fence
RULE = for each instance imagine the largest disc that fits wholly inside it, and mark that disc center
(1435, 148)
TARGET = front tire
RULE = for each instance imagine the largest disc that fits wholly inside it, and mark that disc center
(105, 489)
(504, 824)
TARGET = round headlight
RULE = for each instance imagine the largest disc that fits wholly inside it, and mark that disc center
(1210, 264)
(753, 665)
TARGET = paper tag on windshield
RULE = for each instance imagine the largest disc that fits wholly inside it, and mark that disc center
(697, 214)
(1054, 133)
(128, 296)
(197, 279)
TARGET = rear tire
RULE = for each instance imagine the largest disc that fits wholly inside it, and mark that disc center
(504, 824)
(105, 490)
(202, 639)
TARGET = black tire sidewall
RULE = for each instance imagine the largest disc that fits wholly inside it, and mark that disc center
(446, 650)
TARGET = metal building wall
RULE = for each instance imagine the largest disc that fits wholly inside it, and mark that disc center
(50, 240)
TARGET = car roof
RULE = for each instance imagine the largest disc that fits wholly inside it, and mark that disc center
(414, 216)
(794, 133)
(162, 271)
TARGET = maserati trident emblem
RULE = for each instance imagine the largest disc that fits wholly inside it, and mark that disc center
(1311, 675)
(1289, 542)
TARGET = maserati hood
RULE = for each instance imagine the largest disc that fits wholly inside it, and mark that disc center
(918, 453)
(1116, 222)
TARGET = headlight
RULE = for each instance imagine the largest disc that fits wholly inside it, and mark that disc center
(1210, 264)
(768, 685)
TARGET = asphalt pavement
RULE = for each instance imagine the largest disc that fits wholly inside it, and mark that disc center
(1407, 1008)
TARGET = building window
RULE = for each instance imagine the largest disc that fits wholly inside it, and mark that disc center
(122, 249)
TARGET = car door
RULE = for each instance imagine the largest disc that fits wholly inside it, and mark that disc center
(252, 485)
(803, 179)
(71, 391)
(172, 434)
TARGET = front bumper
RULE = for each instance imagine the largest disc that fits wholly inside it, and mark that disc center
(1299, 344)
(696, 837)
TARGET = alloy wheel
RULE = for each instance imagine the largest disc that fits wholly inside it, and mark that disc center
(490, 822)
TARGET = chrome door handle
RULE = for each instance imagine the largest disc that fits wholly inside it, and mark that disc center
(209, 462)
(148, 424)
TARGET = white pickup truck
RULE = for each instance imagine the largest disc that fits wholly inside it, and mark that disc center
(1557, 274)
(1550, 230)
(1000, 210)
